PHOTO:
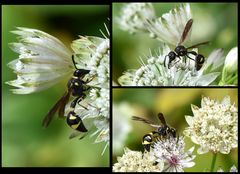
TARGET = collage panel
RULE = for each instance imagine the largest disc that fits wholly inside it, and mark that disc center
(174, 44)
(175, 130)
(55, 86)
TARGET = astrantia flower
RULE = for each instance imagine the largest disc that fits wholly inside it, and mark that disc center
(155, 73)
(135, 161)
(133, 17)
(233, 169)
(140, 17)
(170, 26)
(43, 61)
(171, 151)
(214, 126)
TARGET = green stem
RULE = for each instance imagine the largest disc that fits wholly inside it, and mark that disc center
(213, 161)
(232, 79)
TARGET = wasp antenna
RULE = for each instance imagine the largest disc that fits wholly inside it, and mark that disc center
(74, 62)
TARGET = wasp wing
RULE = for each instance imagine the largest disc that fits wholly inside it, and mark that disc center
(136, 118)
(63, 104)
(162, 119)
(186, 30)
(77, 133)
(196, 45)
(48, 118)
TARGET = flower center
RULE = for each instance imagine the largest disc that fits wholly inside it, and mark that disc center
(173, 160)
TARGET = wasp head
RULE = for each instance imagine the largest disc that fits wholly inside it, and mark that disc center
(80, 72)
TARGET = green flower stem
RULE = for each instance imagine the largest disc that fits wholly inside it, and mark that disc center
(213, 161)
(231, 80)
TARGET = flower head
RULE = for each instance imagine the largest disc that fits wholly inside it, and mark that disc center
(43, 61)
(171, 151)
(170, 26)
(155, 72)
(214, 126)
(135, 161)
(133, 17)
(140, 17)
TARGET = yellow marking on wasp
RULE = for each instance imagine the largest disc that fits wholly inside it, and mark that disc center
(74, 77)
(146, 142)
(72, 117)
(75, 126)
(76, 84)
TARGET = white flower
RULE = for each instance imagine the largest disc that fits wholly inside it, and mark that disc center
(122, 113)
(171, 151)
(140, 17)
(133, 17)
(231, 61)
(233, 169)
(155, 73)
(214, 126)
(135, 161)
(229, 73)
(170, 26)
(43, 61)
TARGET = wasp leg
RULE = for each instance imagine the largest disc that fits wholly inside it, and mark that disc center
(74, 102)
(81, 98)
(174, 63)
(77, 101)
(89, 80)
(164, 63)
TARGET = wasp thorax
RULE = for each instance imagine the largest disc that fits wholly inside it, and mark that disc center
(162, 130)
(181, 50)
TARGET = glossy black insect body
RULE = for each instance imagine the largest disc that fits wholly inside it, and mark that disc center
(181, 52)
(162, 131)
(76, 87)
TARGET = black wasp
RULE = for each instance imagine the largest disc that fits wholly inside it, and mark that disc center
(162, 131)
(181, 51)
(76, 87)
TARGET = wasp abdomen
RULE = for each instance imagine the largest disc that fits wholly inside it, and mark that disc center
(75, 122)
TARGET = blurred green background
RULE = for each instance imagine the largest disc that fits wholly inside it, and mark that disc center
(24, 142)
(214, 22)
(174, 104)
